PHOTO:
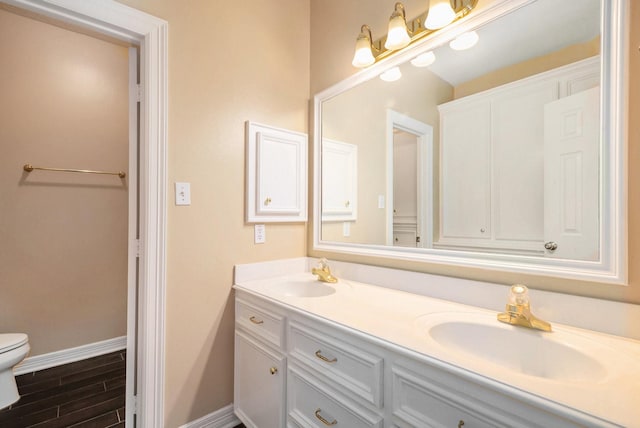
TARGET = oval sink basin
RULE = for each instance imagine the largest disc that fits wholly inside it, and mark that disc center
(558, 355)
(302, 289)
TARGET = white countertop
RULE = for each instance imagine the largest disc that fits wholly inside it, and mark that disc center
(400, 319)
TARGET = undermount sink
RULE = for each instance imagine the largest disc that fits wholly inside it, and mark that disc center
(311, 288)
(558, 355)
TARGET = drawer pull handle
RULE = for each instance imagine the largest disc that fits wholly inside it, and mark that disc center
(273, 370)
(323, 420)
(325, 359)
(461, 423)
(255, 320)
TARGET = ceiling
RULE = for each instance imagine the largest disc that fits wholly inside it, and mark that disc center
(536, 29)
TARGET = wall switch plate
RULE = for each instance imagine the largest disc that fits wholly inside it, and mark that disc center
(380, 201)
(259, 234)
(183, 193)
(346, 228)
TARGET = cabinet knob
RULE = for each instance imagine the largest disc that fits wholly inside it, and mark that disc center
(267, 201)
(461, 423)
(273, 370)
(482, 230)
(323, 420)
(551, 246)
(346, 204)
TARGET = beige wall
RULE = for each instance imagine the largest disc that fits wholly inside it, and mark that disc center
(334, 28)
(228, 62)
(63, 237)
(530, 67)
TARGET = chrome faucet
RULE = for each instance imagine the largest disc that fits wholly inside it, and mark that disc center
(518, 310)
(324, 272)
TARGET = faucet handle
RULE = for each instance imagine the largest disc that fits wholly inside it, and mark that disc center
(323, 263)
(519, 295)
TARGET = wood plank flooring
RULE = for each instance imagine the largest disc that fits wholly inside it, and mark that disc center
(84, 394)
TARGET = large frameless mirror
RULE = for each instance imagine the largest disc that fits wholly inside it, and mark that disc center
(506, 153)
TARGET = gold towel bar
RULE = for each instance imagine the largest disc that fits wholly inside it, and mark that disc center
(29, 168)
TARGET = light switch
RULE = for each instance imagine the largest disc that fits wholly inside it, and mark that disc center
(346, 228)
(183, 193)
(380, 201)
(260, 235)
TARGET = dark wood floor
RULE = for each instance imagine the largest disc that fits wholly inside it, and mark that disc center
(88, 393)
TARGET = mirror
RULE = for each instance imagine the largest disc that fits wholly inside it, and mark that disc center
(507, 152)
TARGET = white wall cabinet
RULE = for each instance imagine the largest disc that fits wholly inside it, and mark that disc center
(337, 376)
(492, 158)
(276, 174)
(339, 181)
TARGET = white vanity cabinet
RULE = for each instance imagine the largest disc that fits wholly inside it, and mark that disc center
(260, 365)
(493, 155)
(296, 369)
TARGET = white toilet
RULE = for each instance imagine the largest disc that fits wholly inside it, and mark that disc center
(13, 348)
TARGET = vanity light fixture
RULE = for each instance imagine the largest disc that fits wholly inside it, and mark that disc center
(424, 60)
(363, 57)
(464, 41)
(402, 33)
(398, 35)
(391, 75)
(440, 14)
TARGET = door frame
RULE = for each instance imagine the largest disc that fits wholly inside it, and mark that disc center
(150, 34)
(424, 174)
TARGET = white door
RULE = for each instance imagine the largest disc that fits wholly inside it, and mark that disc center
(571, 176)
(134, 239)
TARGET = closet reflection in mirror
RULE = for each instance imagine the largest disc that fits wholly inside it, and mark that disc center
(493, 149)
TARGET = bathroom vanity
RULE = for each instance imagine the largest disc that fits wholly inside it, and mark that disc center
(351, 354)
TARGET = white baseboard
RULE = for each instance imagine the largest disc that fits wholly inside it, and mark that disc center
(221, 418)
(65, 356)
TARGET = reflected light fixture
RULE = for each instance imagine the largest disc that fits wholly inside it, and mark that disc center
(398, 34)
(424, 60)
(440, 14)
(402, 33)
(363, 57)
(391, 75)
(464, 41)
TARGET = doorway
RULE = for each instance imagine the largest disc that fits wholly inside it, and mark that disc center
(409, 182)
(121, 22)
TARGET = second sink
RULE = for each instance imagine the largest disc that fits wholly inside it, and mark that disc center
(559, 356)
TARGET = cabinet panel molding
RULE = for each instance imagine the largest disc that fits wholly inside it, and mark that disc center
(276, 174)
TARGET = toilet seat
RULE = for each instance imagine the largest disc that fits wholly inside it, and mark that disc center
(9, 341)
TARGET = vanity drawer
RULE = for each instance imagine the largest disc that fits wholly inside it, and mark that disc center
(260, 321)
(311, 404)
(418, 401)
(340, 364)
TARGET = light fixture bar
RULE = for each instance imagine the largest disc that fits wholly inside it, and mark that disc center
(417, 30)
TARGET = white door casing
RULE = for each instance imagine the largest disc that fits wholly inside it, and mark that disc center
(424, 174)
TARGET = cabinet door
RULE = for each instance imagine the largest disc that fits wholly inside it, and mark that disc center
(276, 174)
(465, 172)
(259, 384)
(339, 181)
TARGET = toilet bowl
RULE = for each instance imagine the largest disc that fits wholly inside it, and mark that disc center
(13, 348)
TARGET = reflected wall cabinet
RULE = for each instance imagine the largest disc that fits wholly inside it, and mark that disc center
(339, 181)
(492, 183)
(276, 174)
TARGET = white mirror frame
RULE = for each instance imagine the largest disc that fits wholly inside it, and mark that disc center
(612, 266)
